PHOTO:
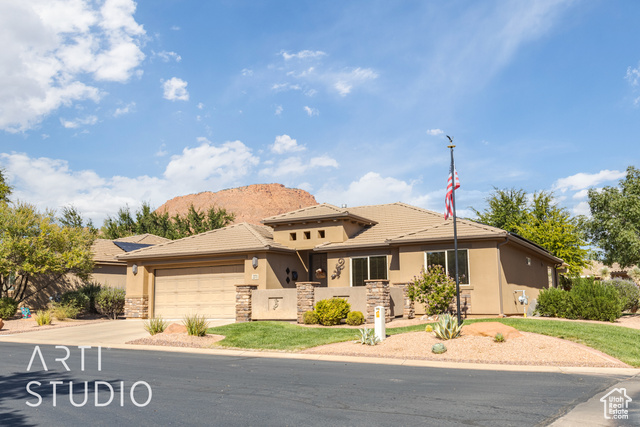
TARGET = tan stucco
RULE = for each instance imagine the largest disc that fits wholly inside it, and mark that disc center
(113, 276)
(308, 235)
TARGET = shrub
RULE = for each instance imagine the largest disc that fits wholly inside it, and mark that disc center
(628, 292)
(433, 288)
(597, 301)
(110, 302)
(63, 311)
(438, 348)
(310, 318)
(155, 325)
(196, 325)
(91, 290)
(8, 307)
(368, 337)
(43, 317)
(554, 302)
(355, 318)
(332, 311)
(447, 327)
(76, 299)
(499, 337)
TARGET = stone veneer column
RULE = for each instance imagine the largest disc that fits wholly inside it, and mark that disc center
(378, 294)
(306, 297)
(136, 307)
(409, 311)
(243, 302)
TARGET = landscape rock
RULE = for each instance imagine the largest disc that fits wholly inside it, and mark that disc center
(175, 328)
(1, 323)
(251, 204)
(490, 329)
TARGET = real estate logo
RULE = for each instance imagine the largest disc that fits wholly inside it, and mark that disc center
(616, 404)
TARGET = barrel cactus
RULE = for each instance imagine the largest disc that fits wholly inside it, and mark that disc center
(438, 348)
(428, 328)
(447, 327)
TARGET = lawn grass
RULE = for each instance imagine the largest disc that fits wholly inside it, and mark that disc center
(619, 342)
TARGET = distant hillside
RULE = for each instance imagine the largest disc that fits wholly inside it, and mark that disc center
(250, 204)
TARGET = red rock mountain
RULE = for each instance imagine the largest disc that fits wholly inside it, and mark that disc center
(252, 203)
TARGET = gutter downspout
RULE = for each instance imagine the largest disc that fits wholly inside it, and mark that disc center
(500, 276)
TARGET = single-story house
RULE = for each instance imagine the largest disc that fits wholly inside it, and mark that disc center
(599, 270)
(336, 249)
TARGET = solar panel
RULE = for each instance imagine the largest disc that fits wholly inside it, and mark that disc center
(128, 247)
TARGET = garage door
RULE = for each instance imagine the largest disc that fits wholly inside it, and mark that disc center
(207, 291)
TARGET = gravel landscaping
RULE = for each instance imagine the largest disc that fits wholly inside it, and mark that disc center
(16, 326)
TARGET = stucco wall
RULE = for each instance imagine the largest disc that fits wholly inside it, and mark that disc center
(274, 304)
(357, 296)
(113, 276)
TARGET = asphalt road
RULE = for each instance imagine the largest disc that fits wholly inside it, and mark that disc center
(194, 389)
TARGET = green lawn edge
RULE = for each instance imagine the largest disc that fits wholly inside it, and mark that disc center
(616, 341)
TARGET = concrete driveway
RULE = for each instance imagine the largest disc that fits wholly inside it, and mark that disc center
(105, 334)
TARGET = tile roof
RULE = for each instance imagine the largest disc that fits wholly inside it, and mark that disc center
(146, 238)
(236, 238)
(105, 251)
(443, 231)
(325, 210)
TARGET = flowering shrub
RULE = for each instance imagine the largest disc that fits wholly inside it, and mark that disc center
(433, 288)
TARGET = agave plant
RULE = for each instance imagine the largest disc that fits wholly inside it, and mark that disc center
(438, 348)
(447, 327)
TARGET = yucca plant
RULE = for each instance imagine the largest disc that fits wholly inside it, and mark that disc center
(196, 325)
(367, 337)
(155, 325)
(447, 327)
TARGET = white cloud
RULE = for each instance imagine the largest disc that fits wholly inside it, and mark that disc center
(346, 80)
(633, 76)
(162, 151)
(247, 72)
(167, 56)
(174, 28)
(200, 105)
(124, 110)
(279, 87)
(72, 124)
(48, 46)
(581, 194)
(175, 89)
(323, 161)
(298, 166)
(303, 54)
(311, 111)
(278, 110)
(582, 180)
(208, 167)
(582, 208)
(435, 132)
(286, 144)
(371, 188)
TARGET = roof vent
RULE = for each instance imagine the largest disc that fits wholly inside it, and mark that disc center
(344, 205)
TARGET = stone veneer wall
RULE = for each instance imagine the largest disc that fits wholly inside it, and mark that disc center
(378, 294)
(465, 303)
(306, 297)
(243, 302)
(136, 307)
(409, 311)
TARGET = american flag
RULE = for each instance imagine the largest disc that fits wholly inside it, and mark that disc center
(448, 201)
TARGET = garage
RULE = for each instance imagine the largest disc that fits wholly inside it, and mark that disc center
(208, 291)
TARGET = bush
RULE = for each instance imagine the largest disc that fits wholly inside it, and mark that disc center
(8, 307)
(64, 311)
(332, 311)
(43, 317)
(76, 299)
(155, 326)
(433, 288)
(310, 318)
(499, 337)
(554, 302)
(628, 292)
(597, 301)
(110, 302)
(355, 318)
(196, 325)
(91, 290)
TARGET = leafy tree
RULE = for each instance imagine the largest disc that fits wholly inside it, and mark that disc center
(71, 217)
(615, 220)
(5, 188)
(542, 221)
(433, 288)
(176, 227)
(36, 252)
(507, 209)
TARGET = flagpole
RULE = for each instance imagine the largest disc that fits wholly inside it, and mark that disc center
(455, 231)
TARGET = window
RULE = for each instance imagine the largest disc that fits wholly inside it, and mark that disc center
(447, 259)
(321, 234)
(528, 261)
(368, 268)
(307, 235)
(292, 236)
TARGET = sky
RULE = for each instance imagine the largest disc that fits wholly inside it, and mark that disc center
(111, 103)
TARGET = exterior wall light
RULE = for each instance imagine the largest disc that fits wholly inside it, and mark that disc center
(254, 262)
(134, 268)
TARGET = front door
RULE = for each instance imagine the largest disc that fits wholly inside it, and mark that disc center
(318, 268)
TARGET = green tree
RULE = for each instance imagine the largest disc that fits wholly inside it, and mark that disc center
(122, 225)
(542, 221)
(507, 209)
(615, 220)
(71, 217)
(5, 188)
(36, 252)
